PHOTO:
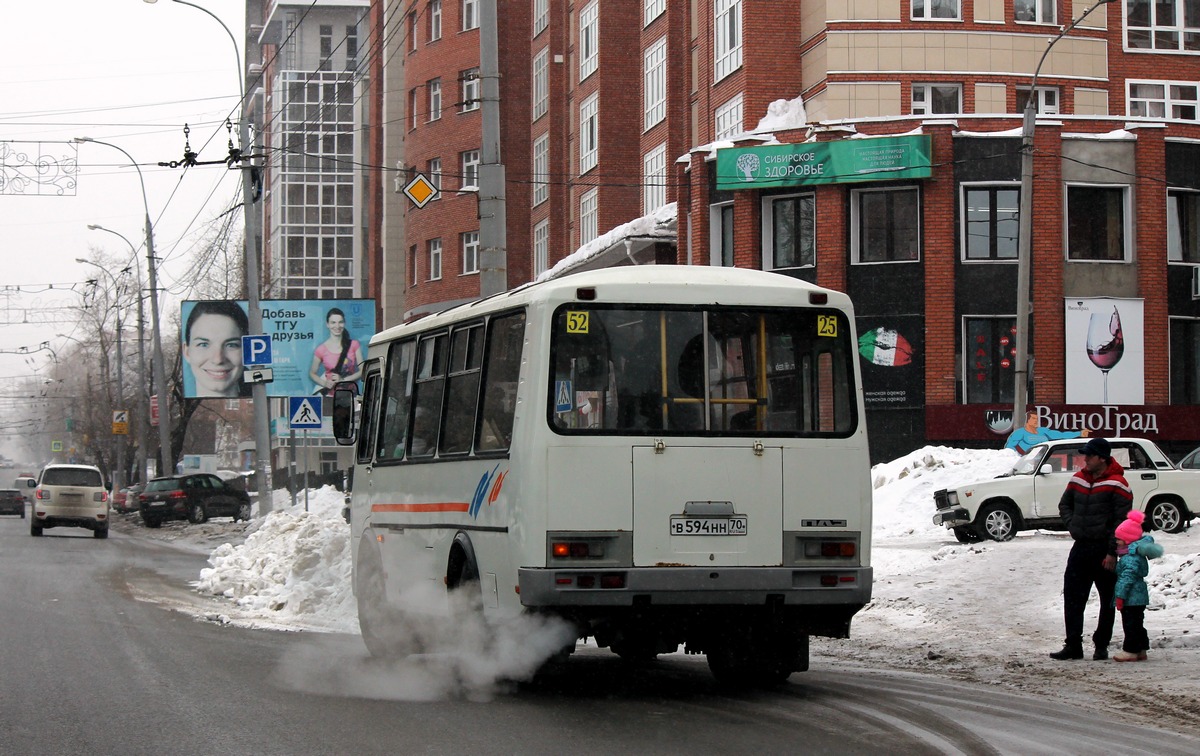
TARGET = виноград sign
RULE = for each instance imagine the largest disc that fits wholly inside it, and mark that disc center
(867, 159)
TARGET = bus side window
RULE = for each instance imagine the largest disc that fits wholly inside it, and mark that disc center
(368, 414)
(502, 367)
(429, 381)
(397, 395)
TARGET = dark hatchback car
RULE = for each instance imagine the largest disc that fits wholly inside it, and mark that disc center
(12, 502)
(195, 498)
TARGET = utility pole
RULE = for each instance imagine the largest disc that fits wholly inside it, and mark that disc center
(493, 228)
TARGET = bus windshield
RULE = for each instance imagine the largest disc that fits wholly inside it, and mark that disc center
(713, 371)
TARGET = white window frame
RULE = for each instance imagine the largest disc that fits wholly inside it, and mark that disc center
(1043, 12)
(469, 165)
(470, 15)
(856, 211)
(727, 120)
(654, 88)
(435, 175)
(727, 37)
(541, 16)
(435, 20)
(589, 133)
(414, 99)
(416, 268)
(926, 11)
(541, 247)
(1155, 37)
(925, 90)
(1127, 230)
(470, 86)
(589, 39)
(1047, 102)
(434, 88)
(589, 212)
(768, 230)
(469, 243)
(412, 32)
(653, 9)
(715, 236)
(541, 83)
(435, 259)
(963, 219)
(654, 179)
(1172, 99)
(1175, 244)
(541, 169)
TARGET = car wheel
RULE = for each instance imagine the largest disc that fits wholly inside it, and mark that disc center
(243, 513)
(966, 534)
(35, 530)
(1168, 517)
(102, 533)
(197, 515)
(998, 522)
(152, 522)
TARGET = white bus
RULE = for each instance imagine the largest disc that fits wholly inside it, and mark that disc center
(659, 455)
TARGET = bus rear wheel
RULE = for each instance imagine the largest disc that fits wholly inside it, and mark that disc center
(373, 614)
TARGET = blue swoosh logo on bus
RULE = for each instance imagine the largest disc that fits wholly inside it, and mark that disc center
(481, 491)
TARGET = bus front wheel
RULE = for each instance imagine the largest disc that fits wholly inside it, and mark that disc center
(373, 613)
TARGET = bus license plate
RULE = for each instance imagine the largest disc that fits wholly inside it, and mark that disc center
(701, 526)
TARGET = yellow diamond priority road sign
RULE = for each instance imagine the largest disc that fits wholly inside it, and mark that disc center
(421, 190)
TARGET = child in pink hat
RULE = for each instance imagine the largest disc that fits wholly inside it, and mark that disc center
(1132, 596)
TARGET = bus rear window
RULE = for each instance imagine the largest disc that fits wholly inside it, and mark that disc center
(711, 372)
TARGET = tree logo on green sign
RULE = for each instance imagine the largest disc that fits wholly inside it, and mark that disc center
(747, 165)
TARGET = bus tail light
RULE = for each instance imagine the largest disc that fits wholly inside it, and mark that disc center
(616, 580)
(576, 550)
(833, 580)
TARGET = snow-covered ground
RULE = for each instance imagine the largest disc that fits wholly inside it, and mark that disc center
(987, 612)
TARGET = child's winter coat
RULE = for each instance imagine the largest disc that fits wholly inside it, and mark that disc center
(1132, 570)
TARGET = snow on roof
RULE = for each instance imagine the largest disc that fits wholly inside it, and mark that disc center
(658, 225)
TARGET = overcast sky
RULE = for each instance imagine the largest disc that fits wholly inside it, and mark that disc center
(126, 72)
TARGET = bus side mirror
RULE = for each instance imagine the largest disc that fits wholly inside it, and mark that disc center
(343, 412)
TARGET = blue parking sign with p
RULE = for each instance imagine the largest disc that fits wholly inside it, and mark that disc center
(256, 350)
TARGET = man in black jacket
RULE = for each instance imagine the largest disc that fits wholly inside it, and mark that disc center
(1095, 502)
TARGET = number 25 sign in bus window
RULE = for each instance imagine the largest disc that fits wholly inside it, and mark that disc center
(659, 456)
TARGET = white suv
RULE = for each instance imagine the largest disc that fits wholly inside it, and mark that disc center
(72, 496)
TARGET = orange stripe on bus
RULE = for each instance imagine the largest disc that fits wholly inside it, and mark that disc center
(446, 506)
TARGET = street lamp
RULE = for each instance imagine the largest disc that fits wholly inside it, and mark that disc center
(119, 478)
(166, 463)
(1025, 230)
(262, 423)
(143, 413)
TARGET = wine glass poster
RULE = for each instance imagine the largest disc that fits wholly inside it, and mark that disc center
(1105, 345)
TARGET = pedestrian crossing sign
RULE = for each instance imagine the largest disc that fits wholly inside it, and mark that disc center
(304, 412)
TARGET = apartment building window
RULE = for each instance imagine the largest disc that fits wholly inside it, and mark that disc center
(654, 179)
(1162, 25)
(653, 9)
(589, 39)
(541, 16)
(435, 20)
(541, 247)
(727, 48)
(412, 32)
(470, 169)
(1163, 99)
(1183, 226)
(654, 89)
(469, 94)
(933, 99)
(351, 48)
(1035, 11)
(588, 221)
(541, 83)
(789, 226)
(541, 169)
(885, 225)
(325, 41)
(434, 88)
(435, 259)
(434, 174)
(720, 234)
(728, 118)
(414, 106)
(1045, 104)
(470, 252)
(470, 15)
(1096, 223)
(412, 261)
(987, 359)
(1185, 361)
(589, 133)
(930, 9)
(989, 215)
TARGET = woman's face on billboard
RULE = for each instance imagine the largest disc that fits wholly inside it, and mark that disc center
(214, 352)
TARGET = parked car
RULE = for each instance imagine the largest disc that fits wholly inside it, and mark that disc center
(195, 497)
(126, 500)
(71, 496)
(1191, 461)
(1026, 497)
(12, 502)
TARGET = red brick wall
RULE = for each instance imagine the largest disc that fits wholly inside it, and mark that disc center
(1151, 261)
(939, 253)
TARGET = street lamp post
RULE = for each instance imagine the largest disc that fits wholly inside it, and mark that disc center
(262, 422)
(119, 478)
(1025, 231)
(166, 464)
(143, 414)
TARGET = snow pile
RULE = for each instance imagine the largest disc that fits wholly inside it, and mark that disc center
(783, 115)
